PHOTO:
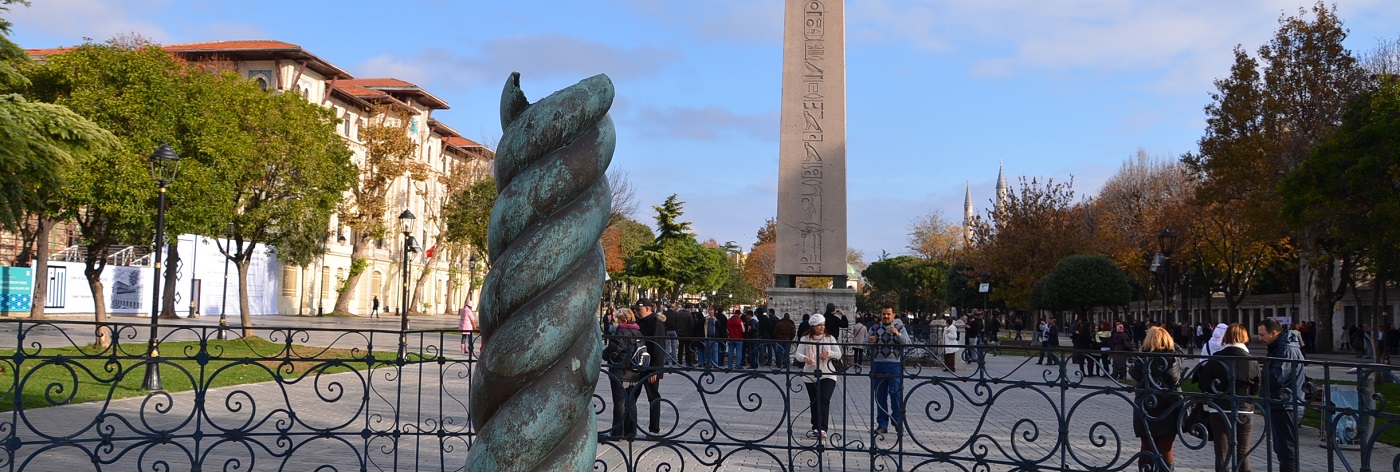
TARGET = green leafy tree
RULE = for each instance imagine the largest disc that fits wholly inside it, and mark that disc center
(282, 168)
(917, 284)
(136, 93)
(675, 262)
(1264, 120)
(1081, 282)
(1345, 191)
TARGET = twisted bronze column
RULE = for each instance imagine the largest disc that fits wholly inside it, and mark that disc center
(531, 390)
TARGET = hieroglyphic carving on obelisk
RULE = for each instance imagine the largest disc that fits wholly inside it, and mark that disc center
(812, 148)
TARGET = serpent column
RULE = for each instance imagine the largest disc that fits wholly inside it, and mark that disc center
(530, 393)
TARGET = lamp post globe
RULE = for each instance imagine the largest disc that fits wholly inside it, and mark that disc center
(165, 164)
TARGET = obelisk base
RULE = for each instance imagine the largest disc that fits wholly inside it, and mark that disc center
(800, 301)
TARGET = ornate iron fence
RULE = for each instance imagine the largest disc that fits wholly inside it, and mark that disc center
(346, 401)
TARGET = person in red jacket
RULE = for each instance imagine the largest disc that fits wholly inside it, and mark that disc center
(736, 326)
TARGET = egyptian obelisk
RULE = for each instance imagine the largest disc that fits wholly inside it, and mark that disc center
(812, 150)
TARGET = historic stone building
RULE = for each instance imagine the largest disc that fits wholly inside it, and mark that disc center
(441, 152)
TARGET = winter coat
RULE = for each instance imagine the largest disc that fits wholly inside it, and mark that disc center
(617, 354)
(1283, 369)
(1230, 365)
(1157, 405)
(785, 330)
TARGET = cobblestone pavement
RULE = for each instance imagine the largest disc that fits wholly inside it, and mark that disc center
(710, 421)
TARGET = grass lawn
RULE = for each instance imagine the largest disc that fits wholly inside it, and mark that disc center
(73, 375)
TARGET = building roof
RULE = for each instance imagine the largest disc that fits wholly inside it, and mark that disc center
(252, 50)
(397, 86)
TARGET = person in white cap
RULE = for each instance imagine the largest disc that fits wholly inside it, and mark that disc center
(816, 351)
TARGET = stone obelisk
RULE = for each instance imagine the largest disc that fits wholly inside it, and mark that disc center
(812, 154)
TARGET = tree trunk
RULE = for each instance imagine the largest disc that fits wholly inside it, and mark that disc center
(245, 316)
(352, 279)
(41, 267)
(1376, 326)
(93, 264)
(1324, 297)
(416, 302)
(171, 274)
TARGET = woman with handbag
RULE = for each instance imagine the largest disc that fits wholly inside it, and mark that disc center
(820, 356)
(1228, 375)
(1156, 400)
(1120, 343)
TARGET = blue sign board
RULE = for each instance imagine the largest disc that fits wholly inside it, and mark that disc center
(16, 288)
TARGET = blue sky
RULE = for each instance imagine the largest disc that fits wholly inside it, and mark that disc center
(938, 92)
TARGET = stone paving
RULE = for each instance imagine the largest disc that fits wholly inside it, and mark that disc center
(710, 421)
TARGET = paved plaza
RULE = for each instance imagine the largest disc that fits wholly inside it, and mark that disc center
(710, 421)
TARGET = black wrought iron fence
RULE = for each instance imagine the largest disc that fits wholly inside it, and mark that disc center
(332, 399)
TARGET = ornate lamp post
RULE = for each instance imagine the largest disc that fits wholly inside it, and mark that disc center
(320, 299)
(1186, 279)
(410, 246)
(223, 304)
(1162, 266)
(164, 165)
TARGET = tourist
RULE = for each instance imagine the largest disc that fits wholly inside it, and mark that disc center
(466, 324)
(1216, 342)
(618, 356)
(784, 331)
(751, 343)
(1050, 340)
(374, 311)
(655, 333)
(816, 351)
(1157, 406)
(859, 332)
(735, 328)
(1119, 343)
(886, 340)
(1283, 374)
(1084, 343)
(715, 330)
(950, 345)
(1226, 377)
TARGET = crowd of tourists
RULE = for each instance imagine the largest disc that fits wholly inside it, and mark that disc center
(647, 338)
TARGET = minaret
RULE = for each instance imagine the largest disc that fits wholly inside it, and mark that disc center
(1001, 188)
(968, 214)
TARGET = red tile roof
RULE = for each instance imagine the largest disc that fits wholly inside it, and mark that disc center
(44, 52)
(253, 45)
(460, 142)
(389, 84)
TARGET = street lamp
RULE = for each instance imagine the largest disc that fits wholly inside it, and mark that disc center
(1186, 280)
(1162, 266)
(164, 165)
(223, 304)
(410, 246)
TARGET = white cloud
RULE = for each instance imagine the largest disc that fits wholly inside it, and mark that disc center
(1180, 39)
(70, 21)
(543, 56)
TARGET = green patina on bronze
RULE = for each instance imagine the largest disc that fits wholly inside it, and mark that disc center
(530, 393)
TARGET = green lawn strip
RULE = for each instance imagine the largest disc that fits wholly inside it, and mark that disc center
(73, 375)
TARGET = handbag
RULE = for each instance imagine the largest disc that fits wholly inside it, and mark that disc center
(1197, 421)
(837, 365)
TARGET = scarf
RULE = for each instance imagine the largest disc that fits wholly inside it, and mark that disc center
(630, 325)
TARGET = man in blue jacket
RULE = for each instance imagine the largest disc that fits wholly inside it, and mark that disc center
(1283, 379)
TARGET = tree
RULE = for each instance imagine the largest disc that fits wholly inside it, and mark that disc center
(136, 94)
(1261, 125)
(1081, 282)
(932, 237)
(283, 170)
(1345, 190)
(768, 233)
(389, 155)
(675, 262)
(1036, 227)
(918, 284)
(624, 197)
(1145, 196)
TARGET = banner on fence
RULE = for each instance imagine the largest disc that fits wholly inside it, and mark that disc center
(16, 285)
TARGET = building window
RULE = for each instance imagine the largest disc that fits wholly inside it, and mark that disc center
(325, 285)
(289, 281)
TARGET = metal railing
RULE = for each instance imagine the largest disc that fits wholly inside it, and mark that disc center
(337, 399)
